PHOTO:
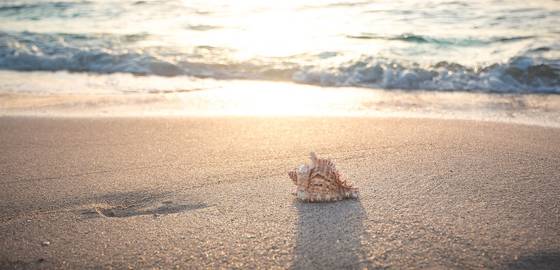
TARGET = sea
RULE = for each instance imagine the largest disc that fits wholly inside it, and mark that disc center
(149, 57)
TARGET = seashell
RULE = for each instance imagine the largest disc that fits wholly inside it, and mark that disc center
(321, 182)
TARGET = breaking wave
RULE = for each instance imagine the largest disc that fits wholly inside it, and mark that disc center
(521, 74)
(100, 53)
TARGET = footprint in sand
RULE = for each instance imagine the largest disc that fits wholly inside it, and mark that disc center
(119, 211)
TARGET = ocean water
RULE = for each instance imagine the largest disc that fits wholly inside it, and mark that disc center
(453, 45)
(476, 59)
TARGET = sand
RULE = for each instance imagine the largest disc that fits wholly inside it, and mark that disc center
(213, 192)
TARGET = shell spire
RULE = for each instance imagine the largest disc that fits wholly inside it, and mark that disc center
(313, 158)
(321, 182)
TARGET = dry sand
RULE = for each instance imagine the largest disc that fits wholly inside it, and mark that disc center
(213, 192)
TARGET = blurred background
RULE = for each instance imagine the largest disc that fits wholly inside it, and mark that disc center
(485, 57)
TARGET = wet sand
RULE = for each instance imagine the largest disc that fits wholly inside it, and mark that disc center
(213, 192)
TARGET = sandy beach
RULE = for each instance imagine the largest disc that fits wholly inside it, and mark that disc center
(159, 134)
(213, 193)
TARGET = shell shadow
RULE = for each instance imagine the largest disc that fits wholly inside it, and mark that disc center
(541, 260)
(329, 236)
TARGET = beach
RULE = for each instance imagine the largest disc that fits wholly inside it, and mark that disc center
(159, 134)
(213, 192)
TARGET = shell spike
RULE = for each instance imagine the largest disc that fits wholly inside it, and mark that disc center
(314, 159)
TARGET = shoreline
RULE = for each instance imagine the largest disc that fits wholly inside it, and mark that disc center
(88, 95)
(385, 117)
(213, 192)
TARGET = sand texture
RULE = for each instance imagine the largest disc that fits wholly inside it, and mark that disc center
(213, 192)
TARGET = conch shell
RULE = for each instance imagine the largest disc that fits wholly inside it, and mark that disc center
(321, 182)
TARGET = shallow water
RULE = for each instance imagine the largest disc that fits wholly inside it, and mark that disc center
(489, 46)
(125, 95)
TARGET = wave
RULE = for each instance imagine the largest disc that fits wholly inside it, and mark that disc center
(461, 42)
(118, 54)
(6, 7)
(521, 74)
(29, 10)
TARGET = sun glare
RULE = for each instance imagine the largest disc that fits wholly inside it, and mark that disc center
(274, 99)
